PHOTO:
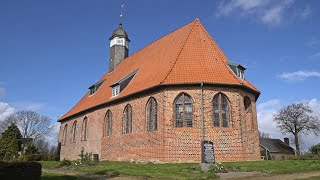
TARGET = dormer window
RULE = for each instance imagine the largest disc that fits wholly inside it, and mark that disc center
(94, 88)
(120, 85)
(115, 90)
(237, 69)
(241, 73)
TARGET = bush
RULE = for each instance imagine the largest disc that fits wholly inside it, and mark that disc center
(23, 170)
(38, 157)
(315, 150)
(85, 158)
(65, 162)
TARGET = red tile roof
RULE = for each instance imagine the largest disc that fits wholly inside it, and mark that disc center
(187, 55)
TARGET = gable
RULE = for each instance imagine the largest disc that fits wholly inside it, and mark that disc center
(186, 55)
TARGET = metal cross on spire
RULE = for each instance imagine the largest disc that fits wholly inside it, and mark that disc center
(121, 12)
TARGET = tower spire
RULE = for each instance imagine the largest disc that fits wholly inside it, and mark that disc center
(121, 13)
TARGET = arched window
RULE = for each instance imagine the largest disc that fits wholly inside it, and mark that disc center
(152, 108)
(221, 110)
(64, 135)
(74, 131)
(108, 123)
(183, 110)
(248, 110)
(84, 129)
(127, 120)
(247, 103)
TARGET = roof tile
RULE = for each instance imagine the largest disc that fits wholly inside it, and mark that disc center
(187, 55)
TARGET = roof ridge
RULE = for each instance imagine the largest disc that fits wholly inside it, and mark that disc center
(179, 53)
(220, 53)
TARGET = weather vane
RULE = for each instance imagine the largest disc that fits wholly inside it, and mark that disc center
(121, 12)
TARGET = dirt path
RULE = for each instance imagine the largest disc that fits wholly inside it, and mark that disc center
(258, 176)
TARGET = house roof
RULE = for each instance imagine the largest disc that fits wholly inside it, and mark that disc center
(186, 55)
(276, 146)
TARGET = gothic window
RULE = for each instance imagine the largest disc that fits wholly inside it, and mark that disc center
(64, 135)
(247, 102)
(127, 120)
(248, 110)
(221, 110)
(84, 129)
(183, 110)
(74, 131)
(108, 123)
(152, 108)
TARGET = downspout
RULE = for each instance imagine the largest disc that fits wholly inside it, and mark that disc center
(202, 112)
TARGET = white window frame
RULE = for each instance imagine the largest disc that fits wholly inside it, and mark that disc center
(119, 41)
(115, 90)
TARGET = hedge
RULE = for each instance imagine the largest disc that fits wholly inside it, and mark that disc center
(38, 157)
(20, 170)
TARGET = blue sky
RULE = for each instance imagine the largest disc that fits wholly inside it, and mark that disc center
(52, 51)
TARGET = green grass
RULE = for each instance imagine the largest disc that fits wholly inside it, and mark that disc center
(51, 176)
(158, 171)
(182, 170)
(275, 167)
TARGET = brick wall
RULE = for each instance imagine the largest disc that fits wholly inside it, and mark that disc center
(237, 142)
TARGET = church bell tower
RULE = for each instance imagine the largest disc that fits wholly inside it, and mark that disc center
(119, 47)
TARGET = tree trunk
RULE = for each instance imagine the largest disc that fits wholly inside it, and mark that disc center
(296, 141)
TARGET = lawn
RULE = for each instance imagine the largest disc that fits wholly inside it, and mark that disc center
(180, 171)
(275, 167)
(159, 171)
(52, 176)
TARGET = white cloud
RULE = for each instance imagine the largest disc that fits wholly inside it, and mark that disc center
(265, 113)
(269, 12)
(5, 110)
(273, 16)
(299, 75)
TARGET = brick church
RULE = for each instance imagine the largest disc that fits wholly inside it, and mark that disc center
(156, 104)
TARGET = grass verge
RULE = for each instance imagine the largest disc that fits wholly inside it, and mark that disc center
(156, 171)
(275, 167)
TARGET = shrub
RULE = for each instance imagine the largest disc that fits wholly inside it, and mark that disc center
(65, 162)
(31, 149)
(23, 170)
(85, 158)
(315, 150)
(38, 157)
(218, 168)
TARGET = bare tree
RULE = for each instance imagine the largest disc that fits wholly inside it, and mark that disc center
(263, 135)
(31, 124)
(296, 119)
